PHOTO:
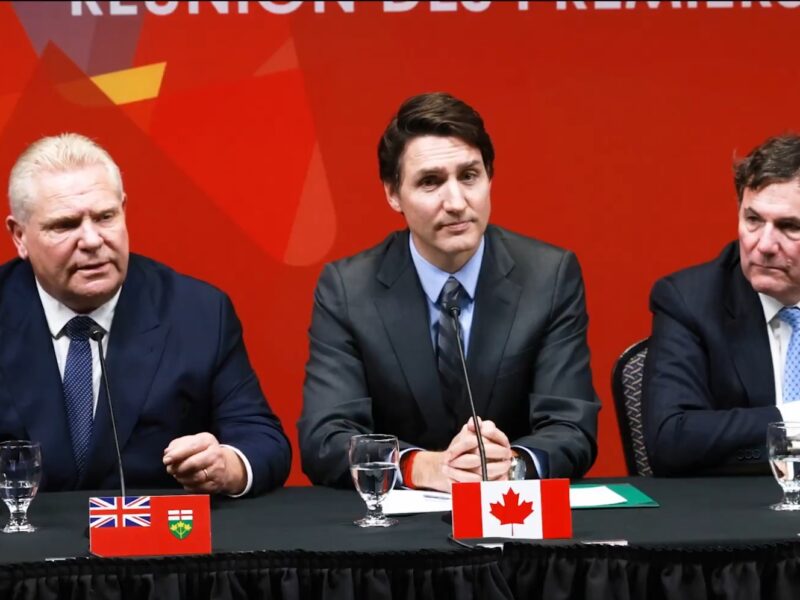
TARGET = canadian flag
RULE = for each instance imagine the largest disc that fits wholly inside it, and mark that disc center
(512, 509)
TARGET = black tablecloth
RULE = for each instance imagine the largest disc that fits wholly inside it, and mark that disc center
(710, 538)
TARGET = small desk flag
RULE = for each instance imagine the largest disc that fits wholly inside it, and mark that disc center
(149, 525)
(535, 509)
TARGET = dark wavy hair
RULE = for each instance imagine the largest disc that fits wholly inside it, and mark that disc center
(775, 161)
(436, 113)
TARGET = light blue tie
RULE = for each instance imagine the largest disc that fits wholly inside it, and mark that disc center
(78, 391)
(791, 369)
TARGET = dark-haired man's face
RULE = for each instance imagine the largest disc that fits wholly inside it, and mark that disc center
(444, 195)
(769, 240)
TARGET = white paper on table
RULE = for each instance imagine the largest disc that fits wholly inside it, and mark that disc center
(596, 495)
(404, 502)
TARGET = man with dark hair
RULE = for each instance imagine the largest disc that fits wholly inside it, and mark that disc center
(383, 352)
(724, 355)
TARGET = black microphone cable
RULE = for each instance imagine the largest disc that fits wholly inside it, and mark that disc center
(454, 312)
(97, 334)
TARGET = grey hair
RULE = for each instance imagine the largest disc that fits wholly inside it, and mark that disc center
(58, 153)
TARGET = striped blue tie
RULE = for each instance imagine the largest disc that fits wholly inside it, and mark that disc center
(791, 369)
(78, 392)
(449, 362)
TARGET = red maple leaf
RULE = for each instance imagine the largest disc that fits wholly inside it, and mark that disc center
(513, 511)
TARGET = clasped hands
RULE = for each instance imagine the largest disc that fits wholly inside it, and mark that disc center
(460, 462)
(201, 464)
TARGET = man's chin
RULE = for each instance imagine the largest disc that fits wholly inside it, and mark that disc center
(465, 241)
(775, 289)
(90, 297)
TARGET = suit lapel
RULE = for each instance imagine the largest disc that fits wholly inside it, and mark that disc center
(136, 343)
(403, 309)
(496, 301)
(31, 377)
(747, 335)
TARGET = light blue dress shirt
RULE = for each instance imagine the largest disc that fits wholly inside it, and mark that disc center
(433, 279)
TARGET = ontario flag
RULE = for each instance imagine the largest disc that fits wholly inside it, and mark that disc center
(149, 525)
(531, 510)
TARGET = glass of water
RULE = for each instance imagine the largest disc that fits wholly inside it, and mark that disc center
(783, 445)
(20, 472)
(373, 465)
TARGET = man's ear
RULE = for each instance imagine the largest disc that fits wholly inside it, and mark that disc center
(392, 197)
(17, 231)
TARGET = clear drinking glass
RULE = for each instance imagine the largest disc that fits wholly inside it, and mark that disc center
(783, 445)
(20, 472)
(373, 465)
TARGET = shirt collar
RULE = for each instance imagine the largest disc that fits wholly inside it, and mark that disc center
(771, 306)
(433, 278)
(58, 315)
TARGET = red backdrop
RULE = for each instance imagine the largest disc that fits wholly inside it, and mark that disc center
(252, 160)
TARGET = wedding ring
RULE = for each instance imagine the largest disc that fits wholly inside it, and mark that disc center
(205, 472)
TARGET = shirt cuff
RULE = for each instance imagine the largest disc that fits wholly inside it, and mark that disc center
(247, 468)
(790, 411)
(537, 457)
(399, 481)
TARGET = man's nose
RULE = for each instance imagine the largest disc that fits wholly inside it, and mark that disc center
(89, 237)
(454, 199)
(767, 240)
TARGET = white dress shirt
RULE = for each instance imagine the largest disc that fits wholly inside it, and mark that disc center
(58, 315)
(779, 334)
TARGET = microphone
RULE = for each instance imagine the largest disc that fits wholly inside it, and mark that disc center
(97, 334)
(454, 311)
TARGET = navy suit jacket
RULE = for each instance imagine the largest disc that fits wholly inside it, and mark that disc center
(709, 386)
(372, 366)
(177, 365)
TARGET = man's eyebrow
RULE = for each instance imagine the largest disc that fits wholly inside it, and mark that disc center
(472, 163)
(65, 218)
(101, 211)
(429, 171)
(439, 170)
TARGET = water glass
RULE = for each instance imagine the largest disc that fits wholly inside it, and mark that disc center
(783, 445)
(20, 473)
(373, 464)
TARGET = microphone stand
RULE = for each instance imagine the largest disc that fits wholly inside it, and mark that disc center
(454, 311)
(97, 334)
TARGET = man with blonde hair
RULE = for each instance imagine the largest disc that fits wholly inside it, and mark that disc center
(188, 406)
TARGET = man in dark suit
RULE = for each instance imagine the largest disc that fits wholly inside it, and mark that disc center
(382, 359)
(188, 406)
(721, 349)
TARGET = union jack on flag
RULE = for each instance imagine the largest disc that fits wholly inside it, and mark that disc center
(108, 511)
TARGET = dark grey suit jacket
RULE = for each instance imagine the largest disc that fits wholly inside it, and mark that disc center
(709, 387)
(372, 366)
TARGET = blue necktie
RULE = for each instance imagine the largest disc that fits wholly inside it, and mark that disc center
(78, 391)
(791, 369)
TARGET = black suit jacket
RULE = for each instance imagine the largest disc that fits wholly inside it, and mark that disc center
(372, 366)
(709, 388)
(177, 365)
